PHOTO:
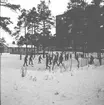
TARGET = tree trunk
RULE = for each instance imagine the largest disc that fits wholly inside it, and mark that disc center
(26, 49)
(43, 51)
(20, 53)
(37, 49)
(75, 52)
(88, 59)
(34, 51)
(70, 62)
(83, 50)
(44, 40)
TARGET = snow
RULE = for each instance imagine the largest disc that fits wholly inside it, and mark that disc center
(83, 86)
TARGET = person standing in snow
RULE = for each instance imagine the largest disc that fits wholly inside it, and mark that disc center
(77, 58)
(70, 56)
(54, 61)
(47, 61)
(70, 61)
(91, 60)
(39, 59)
(25, 60)
(67, 56)
(57, 58)
(61, 60)
(31, 60)
(50, 58)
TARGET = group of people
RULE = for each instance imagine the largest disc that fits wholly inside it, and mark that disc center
(54, 59)
(30, 60)
(51, 59)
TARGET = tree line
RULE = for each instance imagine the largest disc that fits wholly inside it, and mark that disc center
(82, 26)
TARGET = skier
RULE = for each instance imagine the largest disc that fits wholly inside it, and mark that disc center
(31, 60)
(25, 60)
(99, 58)
(47, 61)
(91, 60)
(50, 58)
(39, 59)
(55, 59)
(71, 62)
(61, 60)
(77, 58)
(67, 56)
(70, 56)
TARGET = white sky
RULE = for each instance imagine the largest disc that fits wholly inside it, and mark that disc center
(56, 6)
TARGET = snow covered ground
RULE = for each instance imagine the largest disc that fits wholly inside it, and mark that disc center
(83, 86)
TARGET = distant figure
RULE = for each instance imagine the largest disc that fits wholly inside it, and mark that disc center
(57, 58)
(31, 60)
(82, 55)
(67, 56)
(70, 56)
(77, 58)
(91, 60)
(100, 59)
(33, 54)
(25, 60)
(47, 61)
(61, 60)
(70, 62)
(39, 59)
(55, 61)
(50, 58)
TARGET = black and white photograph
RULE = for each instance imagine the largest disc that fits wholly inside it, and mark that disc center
(51, 52)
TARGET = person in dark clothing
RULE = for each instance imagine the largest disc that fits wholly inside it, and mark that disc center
(50, 58)
(70, 56)
(39, 59)
(82, 55)
(67, 56)
(55, 61)
(31, 60)
(99, 58)
(77, 58)
(25, 60)
(91, 60)
(57, 56)
(61, 60)
(47, 61)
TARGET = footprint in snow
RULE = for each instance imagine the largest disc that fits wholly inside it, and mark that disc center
(57, 93)
(34, 79)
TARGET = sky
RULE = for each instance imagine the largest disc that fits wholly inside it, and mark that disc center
(57, 7)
